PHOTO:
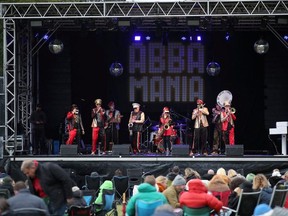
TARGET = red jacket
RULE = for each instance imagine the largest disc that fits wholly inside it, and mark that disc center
(197, 197)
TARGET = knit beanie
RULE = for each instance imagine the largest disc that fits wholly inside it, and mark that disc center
(179, 180)
(263, 210)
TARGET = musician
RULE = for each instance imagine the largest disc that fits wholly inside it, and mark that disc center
(98, 123)
(166, 129)
(135, 124)
(74, 126)
(227, 118)
(217, 133)
(112, 125)
(200, 128)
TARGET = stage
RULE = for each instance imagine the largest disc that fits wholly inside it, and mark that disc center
(80, 165)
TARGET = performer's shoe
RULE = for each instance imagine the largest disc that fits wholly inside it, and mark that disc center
(205, 154)
(92, 153)
(214, 153)
(191, 154)
(103, 153)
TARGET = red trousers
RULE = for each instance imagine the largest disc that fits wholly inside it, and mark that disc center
(229, 137)
(72, 135)
(95, 135)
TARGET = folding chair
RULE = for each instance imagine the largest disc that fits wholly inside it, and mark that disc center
(108, 205)
(79, 210)
(28, 212)
(135, 178)
(121, 186)
(204, 211)
(246, 203)
(146, 208)
(278, 197)
(92, 183)
(5, 193)
(89, 196)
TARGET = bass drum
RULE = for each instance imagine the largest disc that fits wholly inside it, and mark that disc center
(158, 142)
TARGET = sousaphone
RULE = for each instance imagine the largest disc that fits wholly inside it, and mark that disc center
(223, 96)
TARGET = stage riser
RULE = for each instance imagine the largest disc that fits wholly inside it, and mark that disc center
(156, 166)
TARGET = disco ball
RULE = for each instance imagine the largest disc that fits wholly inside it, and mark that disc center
(116, 69)
(56, 46)
(213, 69)
(261, 46)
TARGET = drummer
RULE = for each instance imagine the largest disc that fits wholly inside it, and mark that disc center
(166, 129)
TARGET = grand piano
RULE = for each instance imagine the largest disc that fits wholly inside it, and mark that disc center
(281, 129)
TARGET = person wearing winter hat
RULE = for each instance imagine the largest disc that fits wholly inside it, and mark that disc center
(77, 198)
(166, 130)
(200, 129)
(263, 210)
(173, 191)
(198, 197)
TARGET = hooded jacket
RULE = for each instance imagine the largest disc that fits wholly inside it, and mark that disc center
(197, 197)
(146, 192)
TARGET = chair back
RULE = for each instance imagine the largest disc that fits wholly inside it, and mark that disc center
(135, 176)
(146, 208)
(247, 202)
(278, 197)
(108, 198)
(204, 211)
(27, 212)
(74, 210)
(89, 196)
(5, 193)
(92, 183)
(121, 185)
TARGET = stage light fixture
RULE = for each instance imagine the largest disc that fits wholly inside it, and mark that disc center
(285, 37)
(148, 38)
(199, 38)
(183, 38)
(261, 46)
(227, 36)
(137, 38)
(45, 37)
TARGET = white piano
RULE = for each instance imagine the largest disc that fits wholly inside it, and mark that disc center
(281, 129)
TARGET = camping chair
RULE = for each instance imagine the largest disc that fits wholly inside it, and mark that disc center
(121, 185)
(74, 210)
(146, 208)
(278, 197)
(246, 203)
(204, 211)
(108, 206)
(5, 193)
(28, 212)
(89, 196)
(135, 177)
(92, 183)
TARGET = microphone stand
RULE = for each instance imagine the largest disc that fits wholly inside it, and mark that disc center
(186, 120)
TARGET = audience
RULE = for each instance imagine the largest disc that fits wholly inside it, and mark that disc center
(189, 174)
(4, 206)
(161, 182)
(197, 197)
(173, 191)
(77, 198)
(24, 199)
(275, 177)
(146, 192)
(219, 188)
(260, 182)
(171, 175)
(8, 183)
(106, 185)
(209, 175)
(250, 177)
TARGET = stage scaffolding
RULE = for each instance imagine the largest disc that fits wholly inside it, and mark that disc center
(20, 62)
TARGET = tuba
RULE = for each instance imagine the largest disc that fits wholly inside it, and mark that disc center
(233, 110)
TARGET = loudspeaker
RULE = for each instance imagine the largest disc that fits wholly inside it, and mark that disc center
(234, 150)
(123, 149)
(180, 150)
(68, 149)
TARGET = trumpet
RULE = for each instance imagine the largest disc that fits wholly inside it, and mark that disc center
(233, 110)
(130, 125)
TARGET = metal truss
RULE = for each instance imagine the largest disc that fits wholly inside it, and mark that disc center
(144, 9)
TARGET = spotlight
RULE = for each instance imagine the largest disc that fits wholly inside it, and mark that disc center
(148, 38)
(285, 37)
(183, 38)
(45, 37)
(227, 36)
(199, 38)
(137, 38)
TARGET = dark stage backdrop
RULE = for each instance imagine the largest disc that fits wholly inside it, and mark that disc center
(156, 76)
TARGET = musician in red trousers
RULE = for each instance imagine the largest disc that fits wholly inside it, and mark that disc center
(227, 118)
(74, 126)
(98, 123)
